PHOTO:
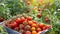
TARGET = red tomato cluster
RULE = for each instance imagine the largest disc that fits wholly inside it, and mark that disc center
(26, 25)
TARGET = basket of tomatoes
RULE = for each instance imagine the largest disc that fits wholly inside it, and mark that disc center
(25, 25)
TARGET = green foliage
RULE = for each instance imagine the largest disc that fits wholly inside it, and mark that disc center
(2, 30)
(10, 8)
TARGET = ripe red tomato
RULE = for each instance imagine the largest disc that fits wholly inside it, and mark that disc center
(44, 28)
(25, 23)
(34, 25)
(41, 25)
(34, 32)
(28, 11)
(29, 18)
(30, 23)
(28, 3)
(39, 29)
(18, 21)
(28, 32)
(46, 19)
(38, 9)
(14, 24)
(22, 19)
(47, 26)
(33, 29)
(39, 15)
(1, 19)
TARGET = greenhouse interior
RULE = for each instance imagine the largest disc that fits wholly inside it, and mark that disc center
(29, 17)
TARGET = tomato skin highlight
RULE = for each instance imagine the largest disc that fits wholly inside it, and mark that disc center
(39, 15)
(34, 25)
(38, 9)
(46, 19)
(18, 21)
(29, 18)
(44, 28)
(30, 23)
(38, 29)
(33, 29)
(28, 3)
(22, 19)
(34, 32)
(1, 19)
(14, 24)
(47, 26)
(41, 25)
(28, 11)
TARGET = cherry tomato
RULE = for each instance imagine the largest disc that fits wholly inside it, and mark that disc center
(39, 15)
(34, 32)
(28, 3)
(44, 28)
(18, 21)
(28, 11)
(30, 23)
(29, 18)
(1, 19)
(33, 29)
(47, 26)
(39, 29)
(14, 24)
(34, 25)
(46, 19)
(41, 25)
(22, 19)
(38, 9)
